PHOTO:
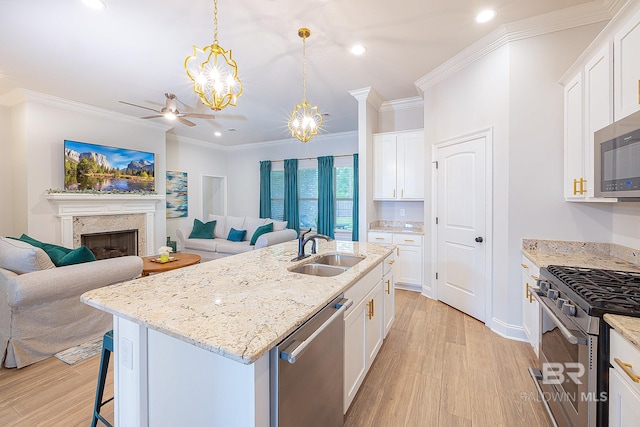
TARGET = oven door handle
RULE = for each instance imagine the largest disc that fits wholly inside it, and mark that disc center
(568, 334)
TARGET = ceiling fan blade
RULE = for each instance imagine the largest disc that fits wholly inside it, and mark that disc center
(199, 116)
(185, 121)
(139, 106)
(152, 117)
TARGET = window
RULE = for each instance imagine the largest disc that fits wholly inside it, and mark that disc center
(344, 198)
(308, 198)
(277, 192)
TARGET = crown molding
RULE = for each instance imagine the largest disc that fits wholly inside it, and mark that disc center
(369, 95)
(288, 141)
(20, 95)
(615, 6)
(585, 14)
(402, 104)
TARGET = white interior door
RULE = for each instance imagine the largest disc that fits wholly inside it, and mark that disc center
(462, 226)
(214, 199)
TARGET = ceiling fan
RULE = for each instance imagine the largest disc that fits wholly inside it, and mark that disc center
(170, 111)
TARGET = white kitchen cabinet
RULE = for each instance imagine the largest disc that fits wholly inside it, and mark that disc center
(409, 261)
(398, 168)
(363, 331)
(626, 45)
(573, 139)
(530, 306)
(388, 292)
(624, 392)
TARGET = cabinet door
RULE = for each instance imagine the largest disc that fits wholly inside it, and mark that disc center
(355, 355)
(374, 328)
(624, 403)
(573, 138)
(384, 158)
(388, 292)
(627, 68)
(530, 314)
(408, 266)
(410, 151)
(598, 104)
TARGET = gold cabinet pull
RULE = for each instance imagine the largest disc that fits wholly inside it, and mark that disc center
(534, 278)
(529, 294)
(575, 187)
(370, 309)
(373, 310)
(627, 368)
(638, 91)
(389, 286)
(524, 265)
(391, 262)
(582, 183)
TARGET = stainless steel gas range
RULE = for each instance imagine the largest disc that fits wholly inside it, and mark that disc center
(573, 373)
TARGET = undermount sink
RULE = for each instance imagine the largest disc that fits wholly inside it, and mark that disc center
(319, 270)
(339, 260)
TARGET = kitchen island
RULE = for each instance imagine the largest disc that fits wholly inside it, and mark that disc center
(192, 345)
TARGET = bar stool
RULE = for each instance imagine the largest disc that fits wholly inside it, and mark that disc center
(107, 349)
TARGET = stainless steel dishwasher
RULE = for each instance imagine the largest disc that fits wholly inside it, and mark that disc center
(307, 371)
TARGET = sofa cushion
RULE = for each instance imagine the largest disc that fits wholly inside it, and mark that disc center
(267, 228)
(277, 225)
(232, 248)
(251, 225)
(202, 244)
(219, 232)
(59, 255)
(236, 235)
(202, 230)
(21, 257)
(236, 222)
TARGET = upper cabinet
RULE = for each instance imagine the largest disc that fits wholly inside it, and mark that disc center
(626, 48)
(398, 165)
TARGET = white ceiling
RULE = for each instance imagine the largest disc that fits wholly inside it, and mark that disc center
(134, 51)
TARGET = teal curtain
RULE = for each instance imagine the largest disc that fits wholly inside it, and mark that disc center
(356, 198)
(265, 189)
(291, 193)
(326, 197)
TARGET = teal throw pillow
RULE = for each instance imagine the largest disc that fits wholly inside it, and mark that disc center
(31, 241)
(236, 235)
(77, 256)
(267, 228)
(55, 252)
(202, 230)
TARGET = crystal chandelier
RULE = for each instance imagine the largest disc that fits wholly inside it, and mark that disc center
(305, 120)
(214, 72)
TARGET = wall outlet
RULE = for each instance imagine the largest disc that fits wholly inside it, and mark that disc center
(402, 212)
(127, 353)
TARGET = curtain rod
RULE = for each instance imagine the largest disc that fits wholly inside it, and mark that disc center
(315, 158)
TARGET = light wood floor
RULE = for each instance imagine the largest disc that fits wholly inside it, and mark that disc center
(437, 367)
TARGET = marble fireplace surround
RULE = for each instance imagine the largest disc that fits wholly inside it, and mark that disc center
(94, 213)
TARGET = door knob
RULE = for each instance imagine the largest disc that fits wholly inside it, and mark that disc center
(479, 239)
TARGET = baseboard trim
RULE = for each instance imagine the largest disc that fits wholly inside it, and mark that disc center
(408, 287)
(512, 332)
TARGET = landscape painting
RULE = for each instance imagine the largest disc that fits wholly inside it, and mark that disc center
(103, 168)
(177, 201)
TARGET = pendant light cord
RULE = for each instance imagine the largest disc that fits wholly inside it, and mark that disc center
(215, 22)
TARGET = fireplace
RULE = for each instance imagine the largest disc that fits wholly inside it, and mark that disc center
(111, 244)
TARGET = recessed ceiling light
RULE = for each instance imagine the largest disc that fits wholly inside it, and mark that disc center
(486, 15)
(358, 49)
(94, 4)
(218, 134)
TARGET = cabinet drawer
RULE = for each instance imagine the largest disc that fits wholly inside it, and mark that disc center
(361, 288)
(407, 239)
(628, 354)
(388, 263)
(379, 237)
(530, 268)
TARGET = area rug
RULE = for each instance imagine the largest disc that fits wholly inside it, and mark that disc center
(80, 352)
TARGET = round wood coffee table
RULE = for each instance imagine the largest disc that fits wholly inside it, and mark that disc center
(182, 260)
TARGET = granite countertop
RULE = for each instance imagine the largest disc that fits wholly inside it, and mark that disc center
(628, 327)
(406, 227)
(240, 306)
(607, 256)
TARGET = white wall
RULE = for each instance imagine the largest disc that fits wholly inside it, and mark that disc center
(244, 175)
(45, 126)
(398, 119)
(6, 173)
(197, 158)
(514, 91)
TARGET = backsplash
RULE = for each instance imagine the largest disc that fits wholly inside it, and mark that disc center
(382, 224)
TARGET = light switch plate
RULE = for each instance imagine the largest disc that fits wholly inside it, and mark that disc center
(127, 353)
(402, 212)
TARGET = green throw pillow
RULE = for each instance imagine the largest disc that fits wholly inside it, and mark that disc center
(202, 230)
(236, 235)
(267, 228)
(77, 256)
(55, 252)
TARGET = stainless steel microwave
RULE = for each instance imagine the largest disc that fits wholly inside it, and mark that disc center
(617, 159)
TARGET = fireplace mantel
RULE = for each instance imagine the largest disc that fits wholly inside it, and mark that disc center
(70, 205)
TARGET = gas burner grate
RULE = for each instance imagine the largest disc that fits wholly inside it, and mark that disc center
(608, 290)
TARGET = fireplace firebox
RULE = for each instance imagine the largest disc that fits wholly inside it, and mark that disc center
(111, 244)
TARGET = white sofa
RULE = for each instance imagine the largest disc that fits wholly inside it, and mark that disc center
(40, 308)
(220, 247)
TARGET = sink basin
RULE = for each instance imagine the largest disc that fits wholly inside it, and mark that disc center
(319, 270)
(339, 260)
